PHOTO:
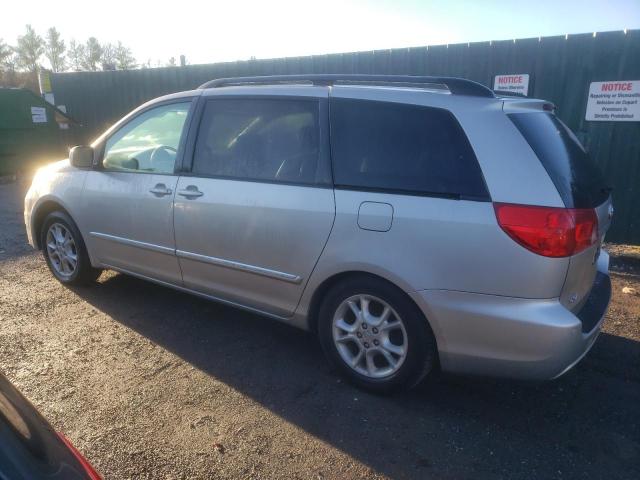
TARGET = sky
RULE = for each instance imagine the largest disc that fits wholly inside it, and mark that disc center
(215, 31)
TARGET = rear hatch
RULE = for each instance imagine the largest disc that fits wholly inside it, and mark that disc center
(580, 184)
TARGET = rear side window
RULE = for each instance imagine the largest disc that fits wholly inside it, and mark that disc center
(275, 140)
(577, 178)
(402, 148)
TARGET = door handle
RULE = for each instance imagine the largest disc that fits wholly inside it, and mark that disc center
(160, 190)
(190, 192)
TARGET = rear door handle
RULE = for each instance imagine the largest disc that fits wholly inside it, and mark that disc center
(190, 192)
(160, 190)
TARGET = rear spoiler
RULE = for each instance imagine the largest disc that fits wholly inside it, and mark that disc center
(519, 104)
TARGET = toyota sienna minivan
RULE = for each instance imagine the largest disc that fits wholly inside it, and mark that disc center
(412, 223)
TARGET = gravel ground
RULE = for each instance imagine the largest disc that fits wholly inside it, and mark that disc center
(152, 383)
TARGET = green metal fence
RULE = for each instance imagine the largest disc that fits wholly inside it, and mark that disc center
(560, 68)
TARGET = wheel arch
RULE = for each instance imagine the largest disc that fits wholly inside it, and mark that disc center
(40, 212)
(332, 280)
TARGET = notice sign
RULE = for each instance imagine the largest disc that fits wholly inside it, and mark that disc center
(38, 115)
(614, 101)
(518, 83)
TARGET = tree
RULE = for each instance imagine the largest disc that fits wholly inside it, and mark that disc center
(76, 55)
(108, 57)
(29, 50)
(7, 64)
(92, 54)
(5, 54)
(124, 59)
(172, 62)
(54, 50)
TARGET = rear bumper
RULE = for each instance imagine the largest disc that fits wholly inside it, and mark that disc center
(535, 339)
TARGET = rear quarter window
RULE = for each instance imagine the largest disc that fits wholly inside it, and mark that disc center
(576, 177)
(403, 149)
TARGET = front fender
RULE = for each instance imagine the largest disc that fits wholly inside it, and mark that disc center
(52, 190)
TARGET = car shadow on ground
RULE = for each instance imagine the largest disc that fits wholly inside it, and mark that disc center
(585, 424)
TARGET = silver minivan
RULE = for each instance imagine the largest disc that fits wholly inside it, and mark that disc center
(412, 223)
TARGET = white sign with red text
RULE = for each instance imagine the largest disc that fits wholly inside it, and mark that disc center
(617, 101)
(517, 83)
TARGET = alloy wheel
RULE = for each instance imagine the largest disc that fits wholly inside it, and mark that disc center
(369, 336)
(62, 250)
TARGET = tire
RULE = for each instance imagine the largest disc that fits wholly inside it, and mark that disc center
(412, 344)
(58, 228)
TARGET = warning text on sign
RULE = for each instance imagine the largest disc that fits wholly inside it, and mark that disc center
(617, 101)
(517, 83)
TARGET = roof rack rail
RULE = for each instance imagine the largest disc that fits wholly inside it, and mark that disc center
(457, 86)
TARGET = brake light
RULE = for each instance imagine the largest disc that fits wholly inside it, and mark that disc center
(88, 469)
(549, 231)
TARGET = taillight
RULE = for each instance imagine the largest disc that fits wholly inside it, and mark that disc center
(549, 231)
(88, 469)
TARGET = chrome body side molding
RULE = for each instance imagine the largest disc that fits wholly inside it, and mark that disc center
(221, 262)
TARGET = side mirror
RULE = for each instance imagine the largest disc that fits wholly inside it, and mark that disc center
(81, 157)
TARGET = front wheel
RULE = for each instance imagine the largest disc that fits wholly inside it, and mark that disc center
(375, 335)
(65, 252)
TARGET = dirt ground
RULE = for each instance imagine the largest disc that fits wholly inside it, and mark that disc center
(152, 383)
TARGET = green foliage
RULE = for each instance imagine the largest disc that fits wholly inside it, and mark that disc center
(5, 54)
(124, 58)
(7, 65)
(29, 50)
(75, 55)
(92, 54)
(54, 50)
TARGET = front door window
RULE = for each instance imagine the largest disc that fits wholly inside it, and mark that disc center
(149, 142)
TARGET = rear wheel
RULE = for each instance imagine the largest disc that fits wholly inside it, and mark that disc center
(375, 335)
(65, 252)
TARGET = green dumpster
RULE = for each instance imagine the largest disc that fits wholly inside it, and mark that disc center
(32, 131)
